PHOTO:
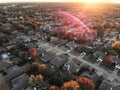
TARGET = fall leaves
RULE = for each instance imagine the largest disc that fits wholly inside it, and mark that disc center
(32, 52)
(71, 85)
(86, 83)
(116, 45)
(81, 83)
(36, 80)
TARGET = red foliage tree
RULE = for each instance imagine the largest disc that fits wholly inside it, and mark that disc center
(86, 83)
(32, 52)
(20, 26)
(53, 87)
(70, 36)
(108, 59)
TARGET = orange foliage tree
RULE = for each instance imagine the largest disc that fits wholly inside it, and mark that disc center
(53, 87)
(32, 52)
(37, 23)
(20, 26)
(42, 68)
(116, 45)
(86, 83)
(71, 85)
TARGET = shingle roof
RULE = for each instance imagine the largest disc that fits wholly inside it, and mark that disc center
(105, 85)
(116, 87)
(13, 72)
(58, 62)
(47, 56)
(4, 65)
(71, 66)
(20, 82)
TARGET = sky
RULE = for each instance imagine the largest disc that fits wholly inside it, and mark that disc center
(5, 1)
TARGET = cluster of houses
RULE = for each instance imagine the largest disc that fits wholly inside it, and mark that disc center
(21, 30)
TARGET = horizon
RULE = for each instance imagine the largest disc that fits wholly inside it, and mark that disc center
(59, 1)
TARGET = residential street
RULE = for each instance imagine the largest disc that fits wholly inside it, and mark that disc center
(111, 76)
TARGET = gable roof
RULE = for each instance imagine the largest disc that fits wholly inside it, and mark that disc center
(99, 54)
(87, 49)
(105, 85)
(61, 42)
(58, 62)
(4, 65)
(71, 44)
(71, 66)
(13, 72)
(20, 82)
(47, 56)
(40, 51)
(116, 87)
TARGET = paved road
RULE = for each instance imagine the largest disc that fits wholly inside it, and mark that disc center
(95, 66)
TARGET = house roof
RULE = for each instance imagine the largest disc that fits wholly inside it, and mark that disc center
(20, 82)
(29, 88)
(30, 45)
(116, 59)
(4, 65)
(86, 49)
(86, 74)
(13, 72)
(71, 44)
(58, 62)
(116, 87)
(47, 56)
(105, 85)
(40, 51)
(17, 60)
(71, 66)
(16, 40)
(99, 54)
(95, 78)
(61, 42)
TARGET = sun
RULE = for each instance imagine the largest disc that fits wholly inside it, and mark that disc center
(93, 0)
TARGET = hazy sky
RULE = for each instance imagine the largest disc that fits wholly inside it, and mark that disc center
(4, 1)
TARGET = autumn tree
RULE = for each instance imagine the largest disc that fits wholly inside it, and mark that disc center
(71, 85)
(36, 80)
(53, 87)
(20, 26)
(32, 52)
(39, 80)
(109, 61)
(70, 36)
(116, 45)
(37, 23)
(44, 70)
(85, 83)
(32, 80)
(35, 64)
(108, 58)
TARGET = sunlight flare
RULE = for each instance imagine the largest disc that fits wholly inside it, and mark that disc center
(93, 0)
